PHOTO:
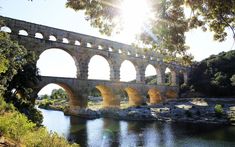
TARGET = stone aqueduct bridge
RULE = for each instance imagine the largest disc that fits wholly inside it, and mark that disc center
(82, 47)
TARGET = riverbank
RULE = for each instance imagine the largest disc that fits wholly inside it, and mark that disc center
(17, 130)
(191, 110)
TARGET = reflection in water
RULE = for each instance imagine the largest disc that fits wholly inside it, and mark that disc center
(168, 135)
(112, 133)
(56, 121)
(77, 131)
(151, 136)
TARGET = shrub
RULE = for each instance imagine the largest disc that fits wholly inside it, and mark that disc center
(4, 107)
(16, 126)
(41, 138)
(218, 109)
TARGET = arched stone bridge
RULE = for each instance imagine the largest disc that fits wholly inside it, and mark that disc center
(82, 47)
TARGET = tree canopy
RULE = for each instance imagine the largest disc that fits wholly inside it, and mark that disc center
(18, 73)
(215, 76)
(165, 31)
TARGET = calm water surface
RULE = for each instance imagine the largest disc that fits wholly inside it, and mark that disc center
(105, 132)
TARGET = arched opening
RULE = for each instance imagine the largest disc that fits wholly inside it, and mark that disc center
(55, 96)
(98, 68)
(154, 96)
(77, 42)
(89, 45)
(52, 38)
(119, 51)
(109, 99)
(150, 75)
(127, 71)
(100, 47)
(135, 99)
(168, 76)
(65, 40)
(110, 49)
(57, 63)
(124, 101)
(38, 35)
(5, 29)
(171, 94)
(23, 33)
(95, 100)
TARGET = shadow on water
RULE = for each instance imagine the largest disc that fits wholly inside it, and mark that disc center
(106, 132)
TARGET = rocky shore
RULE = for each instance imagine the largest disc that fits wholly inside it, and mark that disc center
(193, 110)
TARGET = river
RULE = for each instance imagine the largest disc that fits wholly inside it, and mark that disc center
(106, 132)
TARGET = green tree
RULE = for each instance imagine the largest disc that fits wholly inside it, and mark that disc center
(13, 56)
(58, 94)
(45, 96)
(4, 64)
(213, 14)
(19, 74)
(165, 32)
(232, 79)
(212, 76)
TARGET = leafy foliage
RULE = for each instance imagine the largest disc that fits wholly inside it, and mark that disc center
(165, 32)
(214, 76)
(13, 56)
(58, 100)
(16, 126)
(58, 94)
(18, 74)
(218, 110)
(213, 14)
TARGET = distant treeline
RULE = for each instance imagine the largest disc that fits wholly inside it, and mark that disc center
(214, 76)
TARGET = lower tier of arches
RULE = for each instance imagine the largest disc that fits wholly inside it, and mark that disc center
(111, 92)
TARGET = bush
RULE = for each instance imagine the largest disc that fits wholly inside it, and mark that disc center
(4, 107)
(218, 109)
(16, 126)
(41, 138)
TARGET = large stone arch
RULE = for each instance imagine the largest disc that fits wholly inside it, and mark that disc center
(135, 65)
(109, 61)
(154, 95)
(134, 96)
(70, 52)
(109, 98)
(173, 75)
(73, 100)
(151, 66)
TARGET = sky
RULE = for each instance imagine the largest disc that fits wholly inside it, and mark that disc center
(53, 13)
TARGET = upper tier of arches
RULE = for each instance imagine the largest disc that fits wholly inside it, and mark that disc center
(114, 53)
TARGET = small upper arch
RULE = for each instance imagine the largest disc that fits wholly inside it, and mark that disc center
(52, 38)
(23, 33)
(5, 29)
(38, 35)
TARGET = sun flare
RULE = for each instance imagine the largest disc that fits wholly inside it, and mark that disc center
(135, 14)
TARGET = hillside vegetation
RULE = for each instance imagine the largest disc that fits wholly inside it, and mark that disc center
(214, 76)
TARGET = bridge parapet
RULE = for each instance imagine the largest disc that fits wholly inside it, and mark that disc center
(84, 40)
